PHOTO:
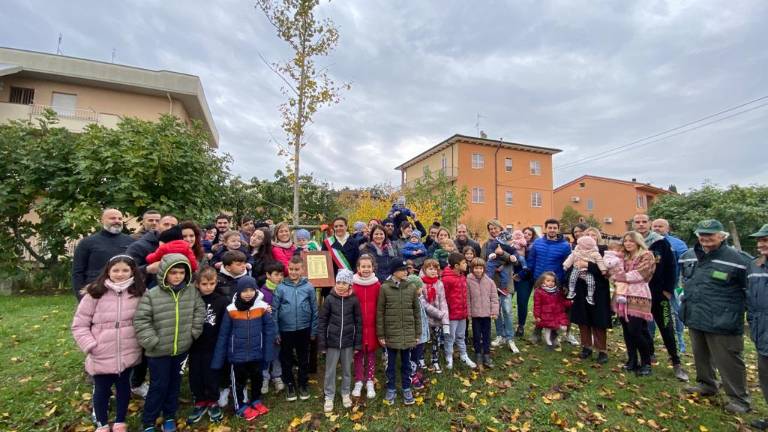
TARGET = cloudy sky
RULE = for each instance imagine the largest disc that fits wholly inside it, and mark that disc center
(582, 76)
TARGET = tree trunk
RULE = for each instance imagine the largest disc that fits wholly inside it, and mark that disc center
(298, 133)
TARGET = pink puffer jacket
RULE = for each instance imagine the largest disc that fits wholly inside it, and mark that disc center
(103, 329)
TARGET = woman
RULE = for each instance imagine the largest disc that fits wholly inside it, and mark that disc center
(593, 320)
(261, 251)
(530, 235)
(344, 249)
(524, 282)
(576, 232)
(504, 326)
(634, 306)
(191, 234)
(283, 246)
(406, 228)
(382, 250)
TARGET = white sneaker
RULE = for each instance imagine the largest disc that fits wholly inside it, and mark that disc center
(468, 361)
(141, 390)
(449, 363)
(513, 347)
(370, 391)
(357, 389)
(571, 339)
(278, 383)
(328, 405)
(223, 397)
(265, 386)
(346, 401)
(497, 342)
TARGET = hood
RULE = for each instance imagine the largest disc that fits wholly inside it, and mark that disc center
(169, 261)
(302, 281)
(652, 238)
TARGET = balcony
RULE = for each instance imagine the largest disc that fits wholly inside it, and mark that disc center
(73, 119)
(450, 172)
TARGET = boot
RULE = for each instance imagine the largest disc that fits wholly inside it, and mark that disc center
(487, 362)
(479, 361)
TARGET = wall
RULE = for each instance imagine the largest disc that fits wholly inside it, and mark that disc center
(434, 162)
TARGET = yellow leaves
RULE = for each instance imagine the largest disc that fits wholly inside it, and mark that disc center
(420, 401)
(296, 422)
(465, 382)
(441, 396)
(472, 396)
(703, 428)
(219, 428)
(358, 415)
(86, 396)
(51, 411)
(332, 417)
(470, 418)
(359, 427)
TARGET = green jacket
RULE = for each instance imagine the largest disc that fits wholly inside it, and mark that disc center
(757, 304)
(166, 321)
(398, 314)
(714, 286)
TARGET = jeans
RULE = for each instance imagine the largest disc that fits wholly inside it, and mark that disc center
(457, 336)
(405, 368)
(504, 326)
(523, 290)
(334, 356)
(102, 391)
(164, 387)
(490, 270)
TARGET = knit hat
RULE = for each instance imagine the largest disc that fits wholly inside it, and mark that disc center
(586, 242)
(358, 226)
(302, 234)
(247, 282)
(415, 233)
(397, 265)
(344, 276)
(504, 236)
(171, 234)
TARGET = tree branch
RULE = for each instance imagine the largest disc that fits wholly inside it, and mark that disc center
(276, 72)
(39, 258)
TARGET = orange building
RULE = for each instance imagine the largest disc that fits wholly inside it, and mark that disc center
(613, 202)
(507, 181)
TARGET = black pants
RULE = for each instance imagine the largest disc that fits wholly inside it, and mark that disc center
(638, 339)
(102, 391)
(662, 315)
(295, 343)
(203, 381)
(481, 335)
(163, 395)
(139, 372)
(242, 373)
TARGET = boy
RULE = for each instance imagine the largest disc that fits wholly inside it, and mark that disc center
(168, 319)
(232, 242)
(455, 284)
(295, 309)
(415, 250)
(340, 335)
(398, 325)
(304, 242)
(204, 381)
(274, 275)
(233, 267)
(245, 341)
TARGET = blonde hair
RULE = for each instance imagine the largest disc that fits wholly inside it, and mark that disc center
(638, 239)
(229, 234)
(283, 225)
(599, 239)
(477, 262)
(615, 244)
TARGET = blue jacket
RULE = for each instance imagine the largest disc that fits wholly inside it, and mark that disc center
(757, 304)
(294, 306)
(678, 248)
(548, 255)
(245, 336)
(409, 250)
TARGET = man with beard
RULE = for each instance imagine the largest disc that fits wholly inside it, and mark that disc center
(463, 240)
(149, 221)
(94, 251)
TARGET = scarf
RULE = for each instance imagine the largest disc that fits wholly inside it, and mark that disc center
(284, 245)
(359, 280)
(179, 287)
(345, 295)
(652, 238)
(385, 249)
(431, 290)
(270, 285)
(243, 305)
(550, 290)
(119, 286)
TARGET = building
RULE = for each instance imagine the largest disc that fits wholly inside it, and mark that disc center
(507, 181)
(84, 91)
(612, 202)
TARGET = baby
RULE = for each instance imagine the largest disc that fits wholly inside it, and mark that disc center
(585, 251)
(614, 262)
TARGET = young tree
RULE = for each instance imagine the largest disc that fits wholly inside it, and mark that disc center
(306, 87)
(442, 195)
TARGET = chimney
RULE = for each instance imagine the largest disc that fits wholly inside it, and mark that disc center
(634, 180)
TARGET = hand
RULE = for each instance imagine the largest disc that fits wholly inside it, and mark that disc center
(499, 250)
(413, 215)
(248, 266)
(357, 351)
(512, 259)
(218, 265)
(381, 342)
(277, 340)
(667, 295)
(395, 214)
(416, 341)
(153, 268)
(491, 256)
(516, 278)
(493, 316)
(269, 308)
(583, 265)
(537, 320)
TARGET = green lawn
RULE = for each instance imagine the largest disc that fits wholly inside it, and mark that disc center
(43, 388)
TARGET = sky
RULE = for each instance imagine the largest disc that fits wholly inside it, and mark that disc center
(581, 76)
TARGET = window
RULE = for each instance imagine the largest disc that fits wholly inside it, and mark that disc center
(478, 161)
(640, 201)
(478, 195)
(25, 96)
(536, 199)
(444, 164)
(508, 164)
(64, 104)
(582, 185)
(590, 205)
(535, 167)
(508, 198)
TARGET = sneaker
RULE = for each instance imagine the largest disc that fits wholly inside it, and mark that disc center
(571, 339)
(449, 363)
(602, 358)
(149, 429)
(104, 428)
(644, 370)
(248, 414)
(408, 398)
(497, 342)
(290, 394)
(513, 347)
(169, 425)
(417, 383)
(702, 391)
(303, 393)
(487, 362)
(120, 427)
(468, 361)
(346, 401)
(735, 408)
(389, 398)
(214, 413)
(680, 373)
(520, 332)
(370, 391)
(436, 368)
(571, 295)
(264, 386)
(328, 405)
(585, 353)
(260, 408)
(761, 424)
(197, 414)
(422, 365)
(141, 391)
(357, 389)
(629, 367)
(591, 301)
(223, 397)
(278, 383)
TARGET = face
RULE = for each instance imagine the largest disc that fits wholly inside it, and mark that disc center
(463, 266)
(469, 254)
(400, 274)
(629, 245)
(449, 246)
(257, 238)
(431, 272)
(661, 227)
(340, 228)
(410, 269)
(284, 234)
(640, 223)
(342, 287)
(577, 232)
(275, 277)
(478, 271)
(233, 243)
(379, 236)
(443, 235)
(248, 294)
(372, 223)
(594, 235)
(762, 246)
(528, 236)
(366, 230)
(710, 241)
(549, 281)
(222, 225)
(389, 227)
(149, 221)
(407, 231)
(294, 271)
(120, 272)
(494, 231)
(211, 234)
(188, 235)
(247, 227)
(175, 276)
(112, 221)
(302, 242)
(236, 268)
(206, 285)
(166, 223)
(365, 268)
(415, 239)
(461, 232)
(552, 230)
(433, 233)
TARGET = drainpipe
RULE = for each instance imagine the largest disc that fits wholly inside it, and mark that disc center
(170, 103)
(496, 178)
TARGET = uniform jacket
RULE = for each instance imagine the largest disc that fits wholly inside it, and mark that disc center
(245, 335)
(757, 304)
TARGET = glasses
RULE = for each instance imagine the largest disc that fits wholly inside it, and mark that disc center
(389, 225)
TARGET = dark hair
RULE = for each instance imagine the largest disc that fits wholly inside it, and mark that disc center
(404, 225)
(264, 252)
(469, 249)
(534, 234)
(340, 218)
(209, 227)
(206, 272)
(197, 246)
(272, 266)
(551, 221)
(222, 216)
(171, 234)
(540, 281)
(232, 256)
(296, 260)
(245, 219)
(149, 212)
(367, 257)
(582, 226)
(379, 228)
(97, 288)
(455, 258)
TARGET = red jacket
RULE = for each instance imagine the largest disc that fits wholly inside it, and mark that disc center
(455, 285)
(176, 246)
(283, 255)
(368, 296)
(550, 309)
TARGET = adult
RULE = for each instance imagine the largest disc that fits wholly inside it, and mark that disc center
(246, 228)
(344, 249)
(383, 251)
(524, 282)
(406, 228)
(634, 307)
(149, 221)
(662, 289)
(389, 228)
(463, 240)
(283, 246)
(714, 277)
(190, 233)
(94, 251)
(576, 232)
(261, 250)
(757, 312)
(222, 226)
(661, 226)
(504, 327)
(432, 235)
(593, 320)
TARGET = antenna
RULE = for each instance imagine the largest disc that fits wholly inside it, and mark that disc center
(477, 124)
(58, 47)
(114, 51)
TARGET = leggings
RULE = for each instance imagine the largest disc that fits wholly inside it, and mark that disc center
(365, 364)
(102, 391)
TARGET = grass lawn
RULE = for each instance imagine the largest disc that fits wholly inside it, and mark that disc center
(43, 388)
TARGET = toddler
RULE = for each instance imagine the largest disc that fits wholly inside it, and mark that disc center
(614, 263)
(232, 242)
(171, 241)
(495, 262)
(414, 249)
(585, 251)
(549, 309)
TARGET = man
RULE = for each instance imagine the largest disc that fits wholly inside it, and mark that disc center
(247, 227)
(222, 226)
(149, 221)
(661, 226)
(94, 251)
(432, 235)
(389, 228)
(463, 240)
(757, 312)
(662, 285)
(714, 277)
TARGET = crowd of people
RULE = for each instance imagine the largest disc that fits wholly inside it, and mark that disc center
(231, 307)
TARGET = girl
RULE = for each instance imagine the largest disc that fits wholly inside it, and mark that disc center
(483, 306)
(282, 246)
(191, 234)
(434, 292)
(366, 287)
(469, 253)
(103, 329)
(549, 308)
(261, 253)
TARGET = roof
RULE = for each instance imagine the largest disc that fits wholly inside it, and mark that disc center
(637, 185)
(475, 140)
(184, 87)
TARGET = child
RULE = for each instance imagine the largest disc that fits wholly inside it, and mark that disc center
(427, 312)
(410, 268)
(434, 293)
(295, 308)
(245, 340)
(585, 251)
(304, 242)
(273, 271)
(233, 267)
(414, 249)
(483, 306)
(469, 253)
(495, 262)
(398, 325)
(203, 380)
(455, 284)
(169, 317)
(366, 286)
(549, 308)
(103, 329)
(340, 335)
(171, 241)
(614, 263)
(232, 242)
(441, 254)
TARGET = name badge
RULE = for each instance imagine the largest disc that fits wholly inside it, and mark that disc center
(722, 276)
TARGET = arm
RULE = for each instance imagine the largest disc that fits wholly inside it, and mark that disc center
(322, 328)
(142, 323)
(380, 309)
(532, 258)
(668, 265)
(79, 264)
(276, 301)
(537, 304)
(644, 270)
(268, 335)
(416, 316)
(432, 311)
(81, 324)
(220, 352)
(158, 254)
(494, 301)
(313, 310)
(358, 313)
(420, 227)
(569, 261)
(198, 315)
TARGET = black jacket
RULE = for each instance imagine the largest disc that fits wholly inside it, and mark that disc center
(341, 323)
(92, 255)
(461, 245)
(139, 250)
(663, 279)
(215, 306)
(350, 250)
